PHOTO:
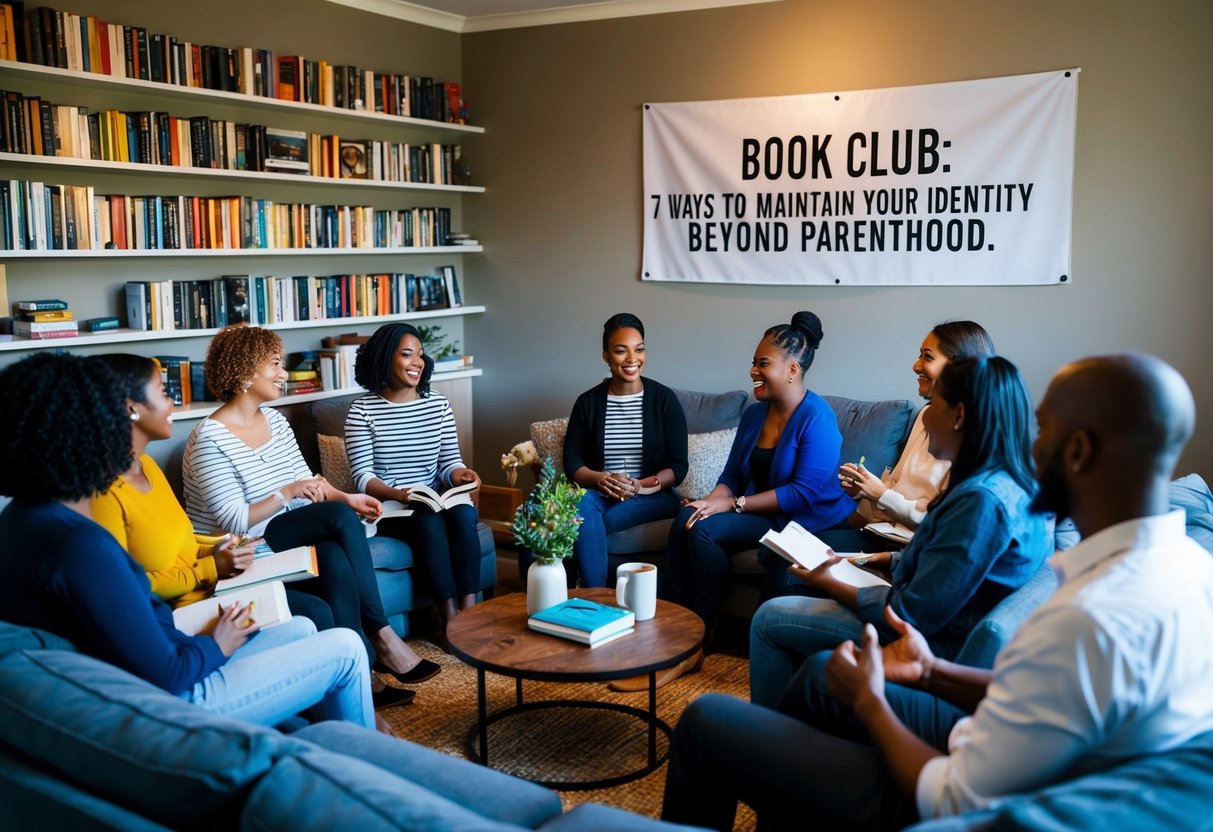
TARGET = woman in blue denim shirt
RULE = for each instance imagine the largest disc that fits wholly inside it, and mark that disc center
(978, 543)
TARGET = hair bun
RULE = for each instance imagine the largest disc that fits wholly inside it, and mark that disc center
(810, 325)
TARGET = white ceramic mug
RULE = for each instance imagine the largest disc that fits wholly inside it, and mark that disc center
(636, 589)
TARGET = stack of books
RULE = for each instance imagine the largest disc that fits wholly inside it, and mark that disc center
(42, 319)
(583, 621)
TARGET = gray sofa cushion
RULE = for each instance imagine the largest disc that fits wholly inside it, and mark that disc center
(1000, 623)
(594, 817)
(327, 416)
(130, 742)
(873, 430)
(707, 412)
(319, 791)
(14, 637)
(484, 791)
(1191, 493)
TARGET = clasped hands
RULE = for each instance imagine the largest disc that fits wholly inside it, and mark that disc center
(856, 675)
(618, 486)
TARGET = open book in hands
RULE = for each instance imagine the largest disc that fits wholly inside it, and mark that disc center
(797, 545)
(459, 495)
(267, 600)
(297, 564)
(891, 531)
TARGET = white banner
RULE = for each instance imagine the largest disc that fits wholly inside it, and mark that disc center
(961, 183)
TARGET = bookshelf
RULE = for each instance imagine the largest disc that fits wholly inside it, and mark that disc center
(92, 281)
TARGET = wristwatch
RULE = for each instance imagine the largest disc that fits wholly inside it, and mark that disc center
(739, 504)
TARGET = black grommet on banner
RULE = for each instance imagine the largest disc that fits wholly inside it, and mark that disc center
(1064, 278)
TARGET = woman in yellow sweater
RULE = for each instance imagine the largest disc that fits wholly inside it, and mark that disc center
(141, 511)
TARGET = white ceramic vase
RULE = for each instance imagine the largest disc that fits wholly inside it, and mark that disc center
(546, 586)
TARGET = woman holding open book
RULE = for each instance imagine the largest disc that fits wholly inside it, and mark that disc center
(626, 444)
(400, 437)
(902, 495)
(978, 543)
(62, 572)
(244, 473)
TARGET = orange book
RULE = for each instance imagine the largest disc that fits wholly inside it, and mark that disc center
(290, 78)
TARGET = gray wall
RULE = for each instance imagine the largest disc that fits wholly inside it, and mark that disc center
(561, 221)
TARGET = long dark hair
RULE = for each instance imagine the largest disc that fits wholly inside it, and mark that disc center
(373, 365)
(799, 340)
(997, 419)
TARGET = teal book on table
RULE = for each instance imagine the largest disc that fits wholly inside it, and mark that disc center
(582, 620)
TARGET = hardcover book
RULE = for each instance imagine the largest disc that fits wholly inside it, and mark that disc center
(268, 606)
(297, 564)
(583, 621)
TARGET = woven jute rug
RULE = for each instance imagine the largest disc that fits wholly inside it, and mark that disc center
(561, 743)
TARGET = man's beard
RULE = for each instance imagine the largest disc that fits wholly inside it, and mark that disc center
(1052, 495)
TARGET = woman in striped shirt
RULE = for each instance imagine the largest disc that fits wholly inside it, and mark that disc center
(243, 472)
(401, 434)
(626, 445)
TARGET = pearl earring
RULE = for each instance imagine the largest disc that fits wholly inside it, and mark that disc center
(134, 417)
(246, 385)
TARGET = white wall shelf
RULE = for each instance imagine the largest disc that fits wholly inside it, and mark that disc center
(124, 336)
(119, 253)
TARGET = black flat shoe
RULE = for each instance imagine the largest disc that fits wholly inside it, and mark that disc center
(421, 672)
(391, 697)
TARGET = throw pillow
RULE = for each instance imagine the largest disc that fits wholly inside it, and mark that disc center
(334, 463)
(549, 440)
(706, 456)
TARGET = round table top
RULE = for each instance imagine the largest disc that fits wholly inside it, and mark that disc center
(493, 636)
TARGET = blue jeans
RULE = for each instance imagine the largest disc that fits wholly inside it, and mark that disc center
(446, 545)
(787, 630)
(698, 559)
(287, 668)
(602, 515)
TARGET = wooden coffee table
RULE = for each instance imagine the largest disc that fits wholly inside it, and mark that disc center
(493, 636)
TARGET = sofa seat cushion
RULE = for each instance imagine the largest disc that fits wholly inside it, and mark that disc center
(484, 791)
(647, 537)
(14, 637)
(130, 742)
(876, 431)
(594, 817)
(390, 554)
(318, 791)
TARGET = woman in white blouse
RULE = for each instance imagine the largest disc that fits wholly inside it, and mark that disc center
(902, 494)
(244, 472)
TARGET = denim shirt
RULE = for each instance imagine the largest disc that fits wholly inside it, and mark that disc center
(976, 547)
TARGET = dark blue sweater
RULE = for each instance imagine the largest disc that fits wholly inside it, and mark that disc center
(62, 572)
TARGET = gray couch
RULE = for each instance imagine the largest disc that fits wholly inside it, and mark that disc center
(85, 746)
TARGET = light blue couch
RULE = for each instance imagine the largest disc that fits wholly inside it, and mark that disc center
(85, 746)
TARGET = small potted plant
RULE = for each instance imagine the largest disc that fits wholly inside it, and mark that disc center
(547, 523)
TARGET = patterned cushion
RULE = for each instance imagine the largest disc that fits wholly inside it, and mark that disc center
(334, 464)
(706, 455)
(549, 439)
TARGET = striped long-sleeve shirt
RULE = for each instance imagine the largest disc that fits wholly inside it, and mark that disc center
(402, 444)
(223, 475)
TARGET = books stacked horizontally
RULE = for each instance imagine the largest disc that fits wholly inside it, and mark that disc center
(42, 319)
(584, 621)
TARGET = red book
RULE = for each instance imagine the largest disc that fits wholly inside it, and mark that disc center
(103, 40)
(118, 221)
(290, 78)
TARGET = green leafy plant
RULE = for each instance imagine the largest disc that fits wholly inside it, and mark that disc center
(547, 522)
(434, 340)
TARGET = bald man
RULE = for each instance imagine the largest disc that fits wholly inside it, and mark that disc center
(1116, 665)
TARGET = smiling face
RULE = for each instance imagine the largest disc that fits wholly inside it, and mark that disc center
(771, 370)
(930, 364)
(268, 380)
(945, 427)
(155, 411)
(408, 365)
(625, 356)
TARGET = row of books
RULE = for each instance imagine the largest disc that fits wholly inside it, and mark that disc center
(35, 216)
(33, 126)
(86, 43)
(266, 299)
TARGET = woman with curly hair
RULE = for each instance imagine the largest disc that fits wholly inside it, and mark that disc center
(69, 415)
(401, 434)
(142, 513)
(244, 473)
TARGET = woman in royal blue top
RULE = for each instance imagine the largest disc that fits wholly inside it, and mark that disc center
(782, 467)
(978, 543)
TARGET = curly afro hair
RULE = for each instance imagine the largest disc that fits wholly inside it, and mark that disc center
(373, 366)
(235, 354)
(66, 431)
